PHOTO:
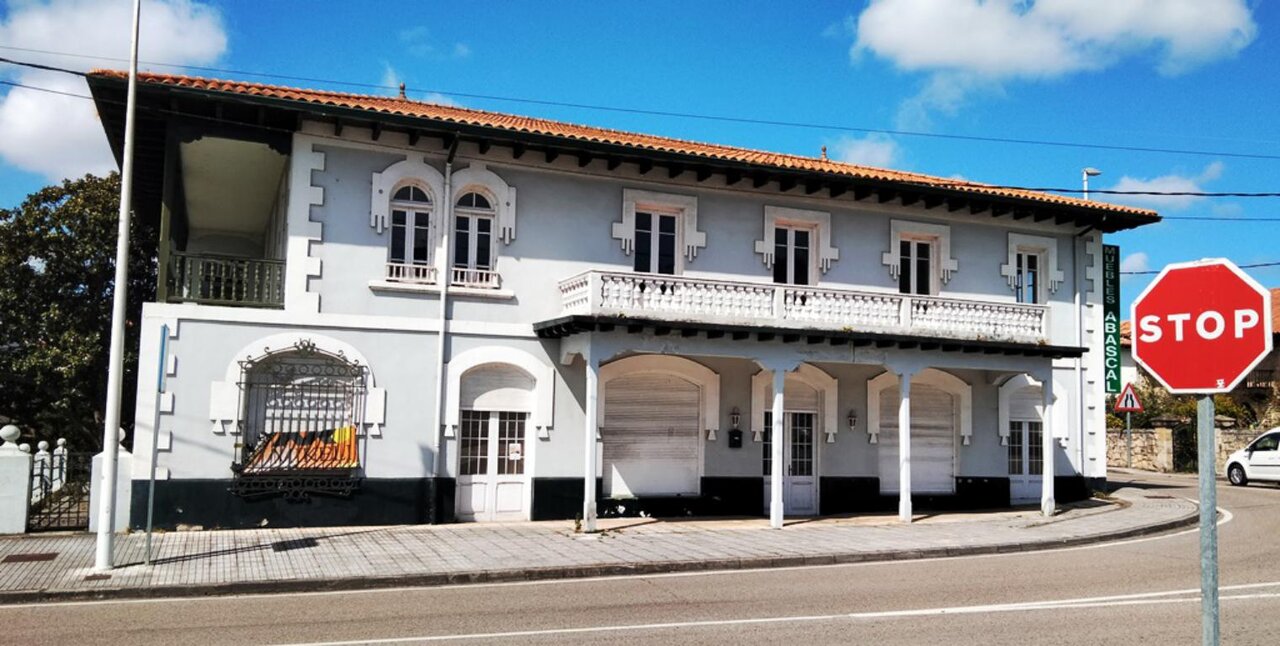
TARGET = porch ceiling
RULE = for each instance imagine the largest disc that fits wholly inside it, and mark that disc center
(565, 326)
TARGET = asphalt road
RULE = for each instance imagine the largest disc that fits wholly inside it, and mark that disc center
(1143, 591)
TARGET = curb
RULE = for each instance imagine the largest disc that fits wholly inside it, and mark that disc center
(576, 572)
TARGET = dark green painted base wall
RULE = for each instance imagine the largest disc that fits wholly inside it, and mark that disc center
(379, 501)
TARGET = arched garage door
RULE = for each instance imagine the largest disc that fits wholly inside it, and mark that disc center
(933, 440)
(651, 436)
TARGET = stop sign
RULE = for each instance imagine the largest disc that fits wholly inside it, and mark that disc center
(1200, 327)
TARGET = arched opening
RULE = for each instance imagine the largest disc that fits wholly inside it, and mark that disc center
(410, 248)
(655, 411)
(495, 403)
(941, 409)
(302, 417)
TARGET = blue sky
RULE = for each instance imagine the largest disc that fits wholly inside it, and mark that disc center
(1133, 73)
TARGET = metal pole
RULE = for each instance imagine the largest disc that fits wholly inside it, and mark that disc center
(1208, 521)
(111, 422)
(155, 435)
(1128, 438)
(1084, 175)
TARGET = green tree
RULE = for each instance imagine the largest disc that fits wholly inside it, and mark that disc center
(57, 264)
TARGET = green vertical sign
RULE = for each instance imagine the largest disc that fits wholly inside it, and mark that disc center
(1111, 316)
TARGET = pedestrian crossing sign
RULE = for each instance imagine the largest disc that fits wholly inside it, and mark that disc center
(1128, 402)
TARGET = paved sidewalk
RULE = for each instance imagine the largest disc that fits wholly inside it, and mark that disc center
(49, 566)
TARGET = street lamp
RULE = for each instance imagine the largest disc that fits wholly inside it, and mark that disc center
(1085, 174)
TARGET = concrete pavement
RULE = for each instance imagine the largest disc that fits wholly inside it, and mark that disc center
(277, 560)
(1137, 591)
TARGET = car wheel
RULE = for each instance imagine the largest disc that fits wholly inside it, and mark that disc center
(1235, 474)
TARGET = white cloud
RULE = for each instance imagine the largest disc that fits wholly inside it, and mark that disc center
(1173, 183)
(963, 43)
(872, 150)
(418, 42)
(1137, 261)
(60, 136)
(390, 77)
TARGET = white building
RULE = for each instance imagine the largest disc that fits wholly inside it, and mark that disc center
(385, 311)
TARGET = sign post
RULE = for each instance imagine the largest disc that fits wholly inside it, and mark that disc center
(1128, 404)
(1200, 328)
(162, 368)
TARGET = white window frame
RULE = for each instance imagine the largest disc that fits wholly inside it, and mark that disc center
(821, 253)
(689, 240)
(473, 215)
(932, 276)
(941, 265)
(413, 211)
(1051, 276)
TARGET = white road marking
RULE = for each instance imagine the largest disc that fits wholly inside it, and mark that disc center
(1064, 604)
(1227, 517)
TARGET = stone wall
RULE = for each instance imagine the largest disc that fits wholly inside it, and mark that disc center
(1153, 448)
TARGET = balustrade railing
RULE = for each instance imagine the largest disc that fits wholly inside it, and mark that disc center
(477, 278)
(398, 272)
(225, 280)
(744, 303)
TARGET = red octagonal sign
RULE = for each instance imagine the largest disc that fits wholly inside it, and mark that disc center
(1200, 327)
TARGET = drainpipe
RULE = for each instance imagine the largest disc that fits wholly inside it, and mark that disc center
(444, 279)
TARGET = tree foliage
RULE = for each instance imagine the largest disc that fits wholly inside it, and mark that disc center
(57, 264)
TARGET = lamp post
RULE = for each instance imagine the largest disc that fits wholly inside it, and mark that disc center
(1085, 174)
(103, 557)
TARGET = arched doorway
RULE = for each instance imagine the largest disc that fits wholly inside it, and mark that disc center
(495, 401)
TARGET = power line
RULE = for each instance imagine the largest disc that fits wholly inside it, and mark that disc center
(682, 115)
(938, 184)
(1156, 271)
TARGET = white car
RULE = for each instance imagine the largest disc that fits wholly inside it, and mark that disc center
(1258, 461)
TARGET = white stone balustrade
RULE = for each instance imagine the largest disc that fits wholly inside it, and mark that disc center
(679, 298)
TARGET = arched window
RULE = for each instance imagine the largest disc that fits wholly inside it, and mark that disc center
(409, 256)
(302, 411)
(473, 248)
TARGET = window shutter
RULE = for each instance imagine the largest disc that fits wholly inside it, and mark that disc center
(651, 436)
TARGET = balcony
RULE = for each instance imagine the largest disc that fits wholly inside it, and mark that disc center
(224, 280)
(676, 298)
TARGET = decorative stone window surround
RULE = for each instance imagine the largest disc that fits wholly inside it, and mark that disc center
(409, 171)
(817, 221)
(942, 265)
(812, 376)
(944, 381)
(224, 396)
(1061, 416)
(1048, 250)
(683, 206)
(542, 373)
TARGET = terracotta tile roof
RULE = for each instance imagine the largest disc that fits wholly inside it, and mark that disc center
(520, 124)
(1126, 327)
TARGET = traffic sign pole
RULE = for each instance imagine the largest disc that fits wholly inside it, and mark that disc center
(1208, 522)
(1128, 437)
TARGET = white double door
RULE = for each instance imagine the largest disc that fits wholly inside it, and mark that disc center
(799, 457)
(493, 480)
(1025, 458)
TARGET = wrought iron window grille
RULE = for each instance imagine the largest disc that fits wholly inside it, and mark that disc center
(301, 424)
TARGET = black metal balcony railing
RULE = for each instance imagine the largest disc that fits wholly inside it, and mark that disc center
(225, 280)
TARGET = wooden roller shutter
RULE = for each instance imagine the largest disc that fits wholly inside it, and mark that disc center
(933, 433)
(496, 386)
(1026, 404)
(651, 436)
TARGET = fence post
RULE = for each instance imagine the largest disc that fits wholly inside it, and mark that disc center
(59, 476)
(15, 483)
(124, 488)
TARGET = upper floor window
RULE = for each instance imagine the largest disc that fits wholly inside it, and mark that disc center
(919, 256)
(1032, 268)
(791, 254)
(1027, 284)
(915, 273)
(796, 245)
(655, 240)
(473, 248)
(659, 230)
(409, 256)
